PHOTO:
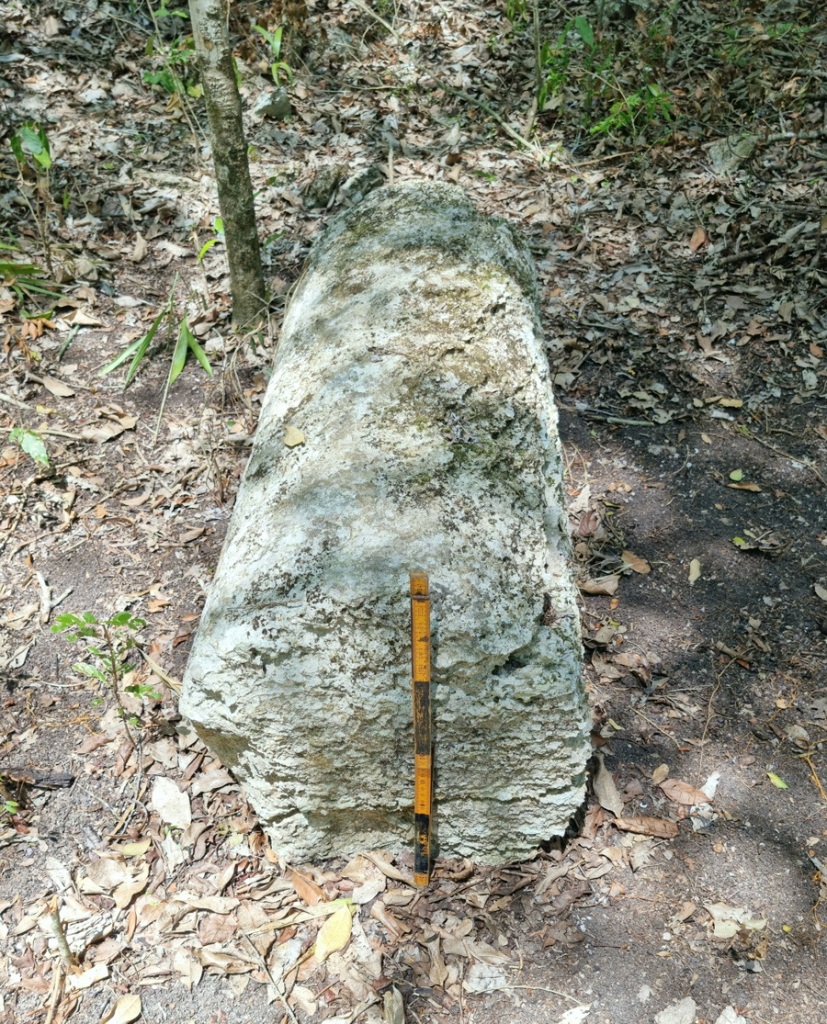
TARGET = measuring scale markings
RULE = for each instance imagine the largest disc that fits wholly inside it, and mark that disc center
(423, 755)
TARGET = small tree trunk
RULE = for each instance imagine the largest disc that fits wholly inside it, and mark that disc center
(229, 147)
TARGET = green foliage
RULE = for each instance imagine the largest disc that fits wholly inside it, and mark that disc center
(30, 145)
(177, 73)
(174, 59)
(218, 227)
(32, 154)
(171, 12)
(32, 444)
(185, 344)
(278, 67)
(26, 280)
(631, 114)
(575, 42)
(9, 808)
(516, 11)
(107, 643)
(139, 348)
(588, 59)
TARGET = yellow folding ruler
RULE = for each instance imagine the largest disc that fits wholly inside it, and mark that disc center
(423, 752)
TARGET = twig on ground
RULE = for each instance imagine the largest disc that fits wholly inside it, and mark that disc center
(377, 17)
(172, 683)
(515, 135)
(58, 976)
(655, 725)
(278, 986)
(60, 935)
(808, 760)
(807, 463)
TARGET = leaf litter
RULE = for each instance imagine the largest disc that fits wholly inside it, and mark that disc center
(706, 336)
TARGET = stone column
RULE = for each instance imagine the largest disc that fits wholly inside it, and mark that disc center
(409, 425)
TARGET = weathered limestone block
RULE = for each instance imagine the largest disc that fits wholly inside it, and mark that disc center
(412, 364)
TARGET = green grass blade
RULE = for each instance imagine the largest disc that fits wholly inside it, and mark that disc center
(200, 354)
(140, 352)
(179, 356)
(131, 351)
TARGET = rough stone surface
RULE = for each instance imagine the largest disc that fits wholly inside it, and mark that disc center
(412, 364)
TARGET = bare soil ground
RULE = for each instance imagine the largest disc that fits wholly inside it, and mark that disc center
(682, 289)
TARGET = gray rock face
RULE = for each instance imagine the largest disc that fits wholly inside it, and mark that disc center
(409, 425)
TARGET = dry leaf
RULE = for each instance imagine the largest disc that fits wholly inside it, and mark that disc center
(394, 1007)
(105, 432)
(104, 875)
(605, 789)
(97, 973)
(83, 319)
(576, 1015)
(127, 1009)
(334, 933)
(228, 963)
(699, 239)
(635, 562)
(604, 585)
(133, 849)
(213, 929)
(682, 1012)
(57, 387)
(293, 437)
(303, 998)
(660, 773)
(661, 828)
(694, 571)
(821, 592)
(145, 495)
(683, 793)
(750, 486)
(171, 805)
(379, 858)
(189, 969)
(306, 889)
(140, 250)
(438, 973)
(127, 890)
(379, 912)
(731, 403)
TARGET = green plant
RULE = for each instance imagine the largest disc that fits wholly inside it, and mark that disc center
(278, 67)
(26, 280)
(9, 808)
(32, 444)
(516, 11)
(185, 343)
(555, 59)
(218, 227)
(30, 141)
(631, 114)
(33, 156)
(108, 644)
(137, 350)
(177, 72)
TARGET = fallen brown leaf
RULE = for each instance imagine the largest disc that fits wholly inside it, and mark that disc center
(306, 889)
(683, 793)
(605, 789)
(662, 828)
(635, 562)
(603, 585)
